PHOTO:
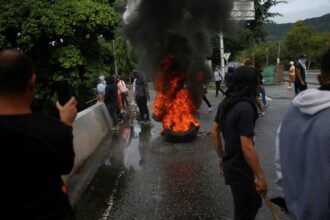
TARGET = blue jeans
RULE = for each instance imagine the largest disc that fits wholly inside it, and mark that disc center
(263, 94)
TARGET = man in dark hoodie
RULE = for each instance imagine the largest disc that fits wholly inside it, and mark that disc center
(111, 101)
(141, 94)
(303, 153)
(300, 71)
(239, 162)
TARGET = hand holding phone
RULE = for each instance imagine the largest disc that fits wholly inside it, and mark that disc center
(63, 91)
(68, 112)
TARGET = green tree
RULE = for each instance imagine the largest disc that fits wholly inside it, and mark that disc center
(305, 39)
(261, 54)
(66, 39)
(125, 57)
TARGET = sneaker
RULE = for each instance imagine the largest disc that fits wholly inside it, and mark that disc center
(289, 87)
(262, 113)
(210, 109)
(266, 104)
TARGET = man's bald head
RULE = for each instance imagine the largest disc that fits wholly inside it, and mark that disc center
(16, 69)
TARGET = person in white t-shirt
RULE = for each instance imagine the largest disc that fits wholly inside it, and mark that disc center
(100, 89)
(218, 79)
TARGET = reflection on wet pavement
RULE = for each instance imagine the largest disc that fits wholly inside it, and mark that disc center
(123, 157)
(144, 177)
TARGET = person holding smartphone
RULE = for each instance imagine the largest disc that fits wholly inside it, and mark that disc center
(36, 149)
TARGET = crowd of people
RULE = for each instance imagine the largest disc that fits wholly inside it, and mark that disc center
(39, 148)
(112, 90)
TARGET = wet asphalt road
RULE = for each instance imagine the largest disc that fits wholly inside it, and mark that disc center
(144, 177)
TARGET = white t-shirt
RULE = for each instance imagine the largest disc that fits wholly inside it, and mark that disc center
(100, 89)
(217, 75)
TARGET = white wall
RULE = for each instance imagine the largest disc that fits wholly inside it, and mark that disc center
(89, 129)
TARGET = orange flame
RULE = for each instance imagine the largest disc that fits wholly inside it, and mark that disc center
(173, 105)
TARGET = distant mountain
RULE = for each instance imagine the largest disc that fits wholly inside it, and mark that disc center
(278, 31)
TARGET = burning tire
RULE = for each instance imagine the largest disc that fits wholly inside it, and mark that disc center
(180, 137)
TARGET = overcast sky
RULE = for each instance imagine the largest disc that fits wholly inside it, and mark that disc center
(296, 10)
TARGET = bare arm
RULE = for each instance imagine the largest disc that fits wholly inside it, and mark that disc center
(217, 143)
(252, 159)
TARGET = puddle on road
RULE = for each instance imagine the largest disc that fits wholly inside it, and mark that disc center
(123, 156)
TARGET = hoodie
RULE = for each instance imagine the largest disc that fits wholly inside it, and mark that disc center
(302, 156)
(312, 101)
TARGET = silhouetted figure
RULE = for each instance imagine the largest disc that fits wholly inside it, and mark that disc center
(35, 148)
(300, 78)
(303, 152)
(141, 94)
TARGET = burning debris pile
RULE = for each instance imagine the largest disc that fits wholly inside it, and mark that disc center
(173, 105)
(172, 39)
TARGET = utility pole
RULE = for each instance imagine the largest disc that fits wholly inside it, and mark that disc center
(244, 10)
(114, 57)
(222, 52)
(266, 56)
(278, 54)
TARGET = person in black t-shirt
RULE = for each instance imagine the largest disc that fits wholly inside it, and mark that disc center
(35, 149)
(300, 71)
(239, 162)
(142, 96)
(111, 101)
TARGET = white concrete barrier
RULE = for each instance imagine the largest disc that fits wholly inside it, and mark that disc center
(89, 129)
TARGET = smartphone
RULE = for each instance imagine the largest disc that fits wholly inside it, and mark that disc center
(63, 90)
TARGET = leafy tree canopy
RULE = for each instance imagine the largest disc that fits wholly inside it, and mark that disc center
(299, 39)
(66, 39)
(305, 39)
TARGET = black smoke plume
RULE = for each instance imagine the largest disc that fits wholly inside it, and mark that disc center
(157, 28)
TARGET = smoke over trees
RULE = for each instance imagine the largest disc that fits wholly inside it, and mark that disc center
(160, 27)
